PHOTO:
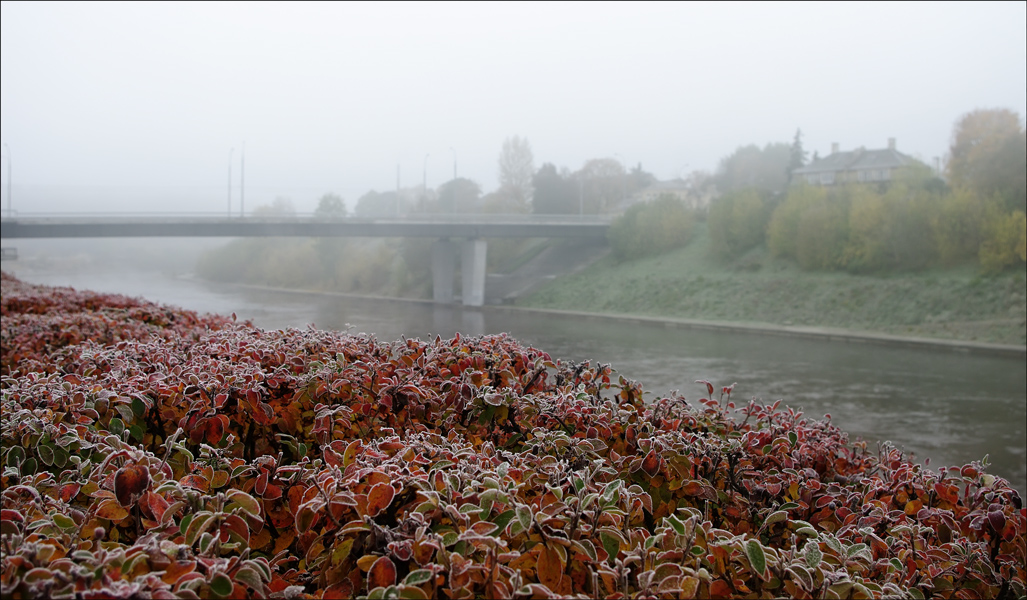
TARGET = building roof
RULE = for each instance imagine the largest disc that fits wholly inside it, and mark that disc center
(856, 160)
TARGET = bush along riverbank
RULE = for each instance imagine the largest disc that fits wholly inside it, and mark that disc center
(950, 303)
(152, 452)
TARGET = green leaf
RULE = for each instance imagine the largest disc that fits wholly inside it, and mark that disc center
(250, 577)
(792, 437)
(137, 432)
(676, 524)
(64, 522)
(418, 577)
(758, 560)
(117, 426)
(854, 550)
(15, 455)
(28, 467)
(487, 414)
(611, 493)
(803, 576)
(833, 542)
(246, 502)
(138, 408)
(524, 516)
(198, 525)
(610, 543)
(45, 454)
(503, 520)
(915, 593)
(205, 539)
(240, 470)
(811, 552)
(585, 547)
(776, 517)
(221, 585)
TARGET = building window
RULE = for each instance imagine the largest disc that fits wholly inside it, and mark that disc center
(827, 178)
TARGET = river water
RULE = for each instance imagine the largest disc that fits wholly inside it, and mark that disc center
(947, 407)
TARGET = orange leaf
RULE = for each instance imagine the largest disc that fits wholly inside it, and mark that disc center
(174, 571)
(130, 482)
(651, 464)
(378, 498)
(273, 492)
(110, 509)
(913, 507)
(692, 488)
(157, 504)
(195, 481)
(720, 589)
(382, 573)
(550, 568)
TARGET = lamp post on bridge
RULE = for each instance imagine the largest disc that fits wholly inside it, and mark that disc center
(230, 153)
(10, 211)
(242, 181)
(424, 181)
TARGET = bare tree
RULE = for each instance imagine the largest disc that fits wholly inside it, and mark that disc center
(516, 168)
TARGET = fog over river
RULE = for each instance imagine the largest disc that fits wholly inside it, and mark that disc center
(946, 406)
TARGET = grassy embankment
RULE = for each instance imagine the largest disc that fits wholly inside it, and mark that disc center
(951, 303)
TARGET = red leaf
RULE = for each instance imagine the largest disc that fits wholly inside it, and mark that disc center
(157, 505)
(378, 498)
(651, 464)
(69, 491)
(130, 482)
(215, 429)
(195, 481)
(381, 574)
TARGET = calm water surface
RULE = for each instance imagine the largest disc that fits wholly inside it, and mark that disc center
(951, 408)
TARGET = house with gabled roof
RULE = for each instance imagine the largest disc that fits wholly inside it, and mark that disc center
(855, 166)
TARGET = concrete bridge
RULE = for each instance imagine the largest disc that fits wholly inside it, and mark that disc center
(456, 235)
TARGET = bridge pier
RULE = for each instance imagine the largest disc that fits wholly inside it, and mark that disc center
(472, 263)
(472, 266)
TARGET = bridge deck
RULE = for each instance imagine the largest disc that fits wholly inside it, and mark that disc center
(299, 227)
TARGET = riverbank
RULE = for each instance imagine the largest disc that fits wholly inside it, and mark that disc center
(832, 334)
(757, 291)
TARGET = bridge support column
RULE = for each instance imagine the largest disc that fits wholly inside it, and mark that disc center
(443, 266)
(472, 263)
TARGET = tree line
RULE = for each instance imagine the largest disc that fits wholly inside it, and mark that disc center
(973, 211)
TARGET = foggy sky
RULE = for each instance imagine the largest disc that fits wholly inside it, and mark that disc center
(111, 106)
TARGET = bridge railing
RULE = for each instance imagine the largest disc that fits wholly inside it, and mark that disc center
(208, 217)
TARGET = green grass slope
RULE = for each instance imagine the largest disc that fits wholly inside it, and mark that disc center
(950, 303)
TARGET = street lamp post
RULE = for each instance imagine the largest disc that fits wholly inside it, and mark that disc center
(10, 211)
(230, 153)
(242, 181)
(424, 181)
